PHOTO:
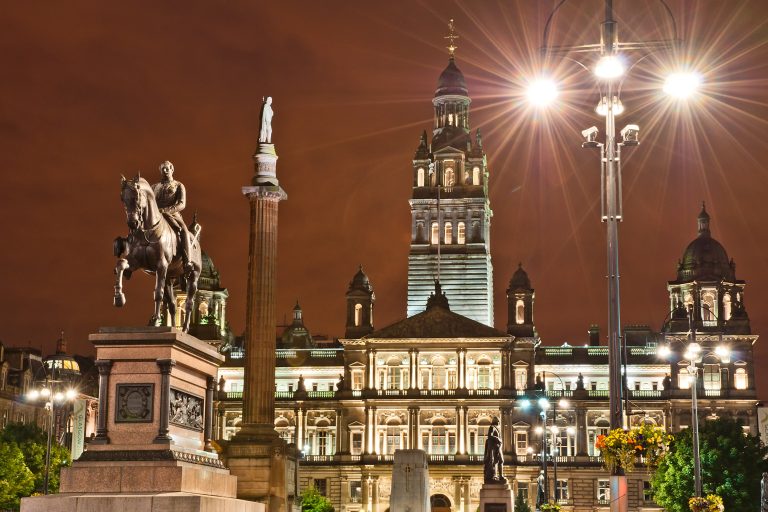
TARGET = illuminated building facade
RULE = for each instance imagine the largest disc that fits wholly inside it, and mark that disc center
(435, 379)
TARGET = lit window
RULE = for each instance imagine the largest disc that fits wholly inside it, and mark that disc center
(450, 177)
(521, 443)
(603, 491)
(420, 177)
(647, 491)
(461, 233)
(476, 176)
(727, 306)
(561, 489)
(358, 314)
(521, 378)
(435, 234)
(448, 233)
(519, 312)
(740, 378)
(684, 381)
(711, 376)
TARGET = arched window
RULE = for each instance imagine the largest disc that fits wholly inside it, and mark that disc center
(420, 177)
(449, 177)
(519, 312)
(727, 306)
(708, 312)
(740, 379)
(448, 233)
(435, 234)
(461, 233)
(358, 314)
(475, 175)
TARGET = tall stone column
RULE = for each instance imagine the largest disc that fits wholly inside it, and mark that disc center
(256, 455)
(104, 367)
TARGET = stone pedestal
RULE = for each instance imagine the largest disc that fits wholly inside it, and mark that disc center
(154, 425)
(410, 482)
(496, 498)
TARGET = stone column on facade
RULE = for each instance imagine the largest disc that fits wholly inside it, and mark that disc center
(366, 493)
(460, 430)
(369, 429)
(301, 425)
(457, 492)
(417, 368)
(412, 369)
(462, 368)
(581, 431)
(507, 439)
(465, 428)
(165, 399)
(342, 432)
(375, 493)
(104, 367)
(208, 431)
(505, 368)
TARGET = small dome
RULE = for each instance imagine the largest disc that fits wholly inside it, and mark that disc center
(360, 281)
(705, 258)
(520, 280)
(451, 81)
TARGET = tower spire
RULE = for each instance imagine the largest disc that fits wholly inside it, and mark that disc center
(451, 37)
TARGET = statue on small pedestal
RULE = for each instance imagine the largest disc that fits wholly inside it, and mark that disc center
(493, 460)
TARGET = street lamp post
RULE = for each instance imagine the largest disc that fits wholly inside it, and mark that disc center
(609, 70)
(50, 394)
(693, 354)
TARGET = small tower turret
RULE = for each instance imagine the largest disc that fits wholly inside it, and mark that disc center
(520, 297)
(360, 299)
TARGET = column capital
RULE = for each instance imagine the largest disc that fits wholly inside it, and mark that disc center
(268, 192)
(104, 366)
(166, 365)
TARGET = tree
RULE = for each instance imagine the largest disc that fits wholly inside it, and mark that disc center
(732, 464)
(32, 440)
(313, 501)
(16, 480)
(520, 504)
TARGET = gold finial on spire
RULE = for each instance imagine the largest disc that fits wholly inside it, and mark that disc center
(451, 37)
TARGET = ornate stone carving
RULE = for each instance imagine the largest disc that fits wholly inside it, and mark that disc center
(186, 410)
(134, 403)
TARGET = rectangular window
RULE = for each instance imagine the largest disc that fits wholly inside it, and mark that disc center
(357, 443)
(521, 443)
(603, 492)
(593, 385)
(290, 388)
(321, 484)
(314, 386)
(647, 491)
(655, 386)
(357, 380)
(522, 490)
(521, 378)
(355, 491)
(561, 490)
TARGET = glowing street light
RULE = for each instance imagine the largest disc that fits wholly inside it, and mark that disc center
(609, 67)
(682, 85)
(542, 92)
(602, 107)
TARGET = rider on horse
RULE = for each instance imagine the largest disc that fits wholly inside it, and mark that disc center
(171, 197)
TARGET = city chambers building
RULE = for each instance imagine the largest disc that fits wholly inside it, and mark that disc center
(436, 379)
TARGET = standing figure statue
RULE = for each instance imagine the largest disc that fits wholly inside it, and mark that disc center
(540, 494)
(764, 493)
(493, 460)
(158, 242)
(265, 132)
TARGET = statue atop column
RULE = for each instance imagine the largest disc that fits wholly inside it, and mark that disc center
(493, 459)
(265, 132)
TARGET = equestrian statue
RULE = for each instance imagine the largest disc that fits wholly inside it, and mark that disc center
(158, 242)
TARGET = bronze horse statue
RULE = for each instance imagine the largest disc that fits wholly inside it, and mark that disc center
(153, 246)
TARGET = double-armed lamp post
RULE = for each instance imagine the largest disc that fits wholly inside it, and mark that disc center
(610, 68)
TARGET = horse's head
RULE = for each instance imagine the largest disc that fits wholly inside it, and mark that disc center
(134, 201)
